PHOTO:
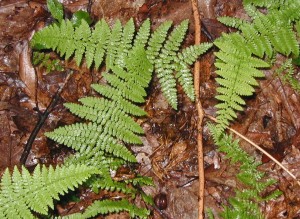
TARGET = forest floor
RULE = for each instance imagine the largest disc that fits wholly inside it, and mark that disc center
(169, 152)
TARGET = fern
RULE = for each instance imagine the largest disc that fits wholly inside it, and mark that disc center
(109, 206)
(286, 73)
(113, 46)
(129, 58)
(245, 202)
(240, 59)
(110, 123)
(21, 192)
(43, 60)
(101, 142)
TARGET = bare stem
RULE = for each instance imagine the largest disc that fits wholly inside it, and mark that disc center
(199, 111)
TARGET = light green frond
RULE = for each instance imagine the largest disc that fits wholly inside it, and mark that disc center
(182, 62)
(231, 22)
(126, 43)
(109, 206)
(20, 192)
(142, 35)
(97, 45)
(156, 40)
(113, 45)
(190, 54)
(91, 138)
(135, 94)
(82, 32)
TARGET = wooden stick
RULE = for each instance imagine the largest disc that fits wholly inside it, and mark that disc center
(260, 149)
(42, 120)
(199, 111)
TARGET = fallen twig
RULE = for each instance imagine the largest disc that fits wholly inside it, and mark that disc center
(199, 111)
(41, 121)
(260, 149)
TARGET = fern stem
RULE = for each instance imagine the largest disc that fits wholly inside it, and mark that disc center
(199, 111)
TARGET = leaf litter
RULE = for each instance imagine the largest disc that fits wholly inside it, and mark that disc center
(168, 154)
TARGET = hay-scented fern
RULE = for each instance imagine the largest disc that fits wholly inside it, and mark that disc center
(129, 57)
(102, 44)
(242, 55)
(21, 193)
(240, 60)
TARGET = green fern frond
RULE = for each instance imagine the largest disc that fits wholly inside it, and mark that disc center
(156, 40)
(143, 34)
(237, 70)
(96, 50)
(117, 47)
(126, 43)
(113, 45)
(126, 105)
(92, 137)
(141, 181)
(111, 185)
(20, 192)
(245, 203)
(270, 4)
(164, 65)
(184, 59)
(267, 34)
(286, 74)
(110, 206)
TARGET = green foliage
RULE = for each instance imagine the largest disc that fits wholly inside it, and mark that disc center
(112, 45)
(43, 60)
(109, 206)
(241, 54)
(286, 74)
(245, 203)
(56, 9)
(240, 60)
(22, 193)
(101, 142)
(78, 16)
(111, 124)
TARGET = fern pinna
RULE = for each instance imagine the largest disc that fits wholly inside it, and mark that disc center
(241, 54)
(22, 193)
(111, 44)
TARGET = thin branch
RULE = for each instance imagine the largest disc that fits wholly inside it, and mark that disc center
(261, 150)
(41, 121)
(199, 111)
(265, 152)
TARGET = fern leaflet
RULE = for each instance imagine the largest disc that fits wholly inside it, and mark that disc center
(20, 193)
